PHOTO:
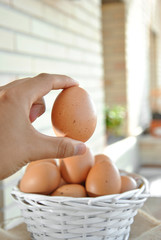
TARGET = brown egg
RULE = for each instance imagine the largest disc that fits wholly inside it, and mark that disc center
(39, 161)
(127, 183)
(101, 157)
(73, 114)
(42, 178)
(62, 182)
(70, 190)
(103, 179)
(75, 169)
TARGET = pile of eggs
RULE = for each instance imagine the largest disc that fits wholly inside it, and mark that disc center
(78, 176)
(87, 175)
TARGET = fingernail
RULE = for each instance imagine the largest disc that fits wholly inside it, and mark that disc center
(80, 149)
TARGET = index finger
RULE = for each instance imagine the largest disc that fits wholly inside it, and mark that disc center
(40, 85)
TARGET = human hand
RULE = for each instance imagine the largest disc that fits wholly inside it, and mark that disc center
(21, 102)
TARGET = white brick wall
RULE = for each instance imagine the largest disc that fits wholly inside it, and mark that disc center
(59, 36)
(13, 19)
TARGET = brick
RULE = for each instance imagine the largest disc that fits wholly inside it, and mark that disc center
(115, 49)
(112, 25)
(53, 15)
(91, 45)
(120, 33)
(116, 84)
(47, 31)
(6, 39)
(119, 49)
(115, 14)
(33, 7)
(50, 32)
(56, 50)
(97, 2)
(43, 29)
(75, 54)
(114, 42)
(113, 58)
(11, 63)
(66, 38)
(5, 78)
(92, 58)
(120, 65)
(63, 5)
(82, 29)
(71, 23)
(91, 8)
(113, 7)
(30, 45)
(14, 20)
(49, 66)
(85, 17)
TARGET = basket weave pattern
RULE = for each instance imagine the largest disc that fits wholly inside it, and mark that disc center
(66, 218)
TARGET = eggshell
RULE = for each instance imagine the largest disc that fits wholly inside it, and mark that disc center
(101, 157)
(103, 179)
(62, 182)
(73, 114)
(70, 190)
(127, 183)
(42, 178)
(75, 169)
(40, 161)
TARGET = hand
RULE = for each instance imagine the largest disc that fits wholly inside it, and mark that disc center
(21, 102)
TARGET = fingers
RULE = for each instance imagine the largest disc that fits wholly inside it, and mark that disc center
(55, 147)
(31, 89)
(40, 85)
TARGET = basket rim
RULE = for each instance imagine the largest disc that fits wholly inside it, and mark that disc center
(141, 192)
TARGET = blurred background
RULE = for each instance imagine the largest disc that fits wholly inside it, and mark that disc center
(113, 48)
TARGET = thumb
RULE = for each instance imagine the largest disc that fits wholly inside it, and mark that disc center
(55, 147)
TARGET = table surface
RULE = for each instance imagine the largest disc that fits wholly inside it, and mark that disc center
(147, 223)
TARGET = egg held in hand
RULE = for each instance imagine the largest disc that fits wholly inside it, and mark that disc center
(41, 178)
(73, 114)
(127, 183)
(75, 169)
(103, 179)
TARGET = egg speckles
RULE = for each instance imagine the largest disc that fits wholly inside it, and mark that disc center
(70, 190)
(73, 114)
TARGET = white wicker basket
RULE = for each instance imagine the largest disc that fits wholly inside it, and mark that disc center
(66, 218)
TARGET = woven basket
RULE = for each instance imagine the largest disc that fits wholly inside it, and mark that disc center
(66, 218)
